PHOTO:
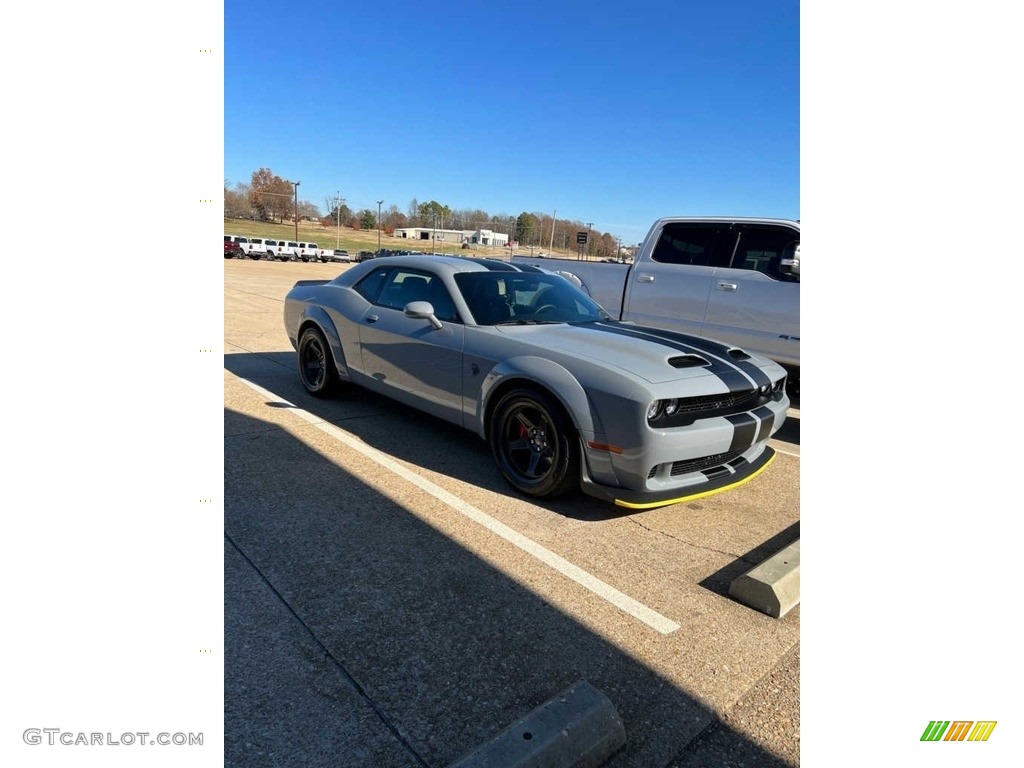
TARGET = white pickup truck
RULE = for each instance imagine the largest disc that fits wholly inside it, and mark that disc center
(732, 279)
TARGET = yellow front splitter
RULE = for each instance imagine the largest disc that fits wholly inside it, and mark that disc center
(649, 500)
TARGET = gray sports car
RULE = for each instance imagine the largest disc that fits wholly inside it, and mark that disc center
(566, 397)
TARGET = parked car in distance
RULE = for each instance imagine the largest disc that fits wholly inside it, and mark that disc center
(306, 251)
(273, 249)
(340, 254)
(567, 397)
(365, 256)
(233, 247)
(255, 248)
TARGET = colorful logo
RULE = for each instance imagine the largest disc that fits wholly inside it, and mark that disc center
(958, 730)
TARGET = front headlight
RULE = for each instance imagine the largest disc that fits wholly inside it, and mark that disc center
(660, 408)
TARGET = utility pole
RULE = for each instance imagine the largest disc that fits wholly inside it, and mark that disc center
(337, 209)
(552, 243)
(587, 245)
(379, 203)
(296, 214)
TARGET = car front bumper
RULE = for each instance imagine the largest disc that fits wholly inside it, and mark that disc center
(722, 477)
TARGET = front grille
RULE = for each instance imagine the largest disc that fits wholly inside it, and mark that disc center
(742, 400)
(687, 466)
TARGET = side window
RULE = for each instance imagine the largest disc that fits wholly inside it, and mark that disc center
(706, 245)
(761, 248)
(369, 287)
(404, 285)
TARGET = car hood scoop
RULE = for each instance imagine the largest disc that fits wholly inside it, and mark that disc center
(656, 356)
(687, 361)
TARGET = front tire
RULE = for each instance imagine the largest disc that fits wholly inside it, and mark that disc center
(534, 444)
(316, 364)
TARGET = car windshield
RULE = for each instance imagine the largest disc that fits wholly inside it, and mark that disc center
(521, 298)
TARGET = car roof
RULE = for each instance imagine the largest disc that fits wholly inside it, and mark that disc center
(460, 263)
(729, 220)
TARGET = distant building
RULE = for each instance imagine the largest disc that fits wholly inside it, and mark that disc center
(457, 236)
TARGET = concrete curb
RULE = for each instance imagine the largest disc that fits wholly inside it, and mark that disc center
(578, 728)
(773, 587)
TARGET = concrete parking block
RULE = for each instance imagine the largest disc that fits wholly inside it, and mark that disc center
(578, 728)
(773, 587)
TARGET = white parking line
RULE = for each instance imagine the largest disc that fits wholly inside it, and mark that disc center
(605, 591)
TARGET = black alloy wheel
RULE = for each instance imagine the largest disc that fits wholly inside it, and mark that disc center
(534, 444)
(316, 364)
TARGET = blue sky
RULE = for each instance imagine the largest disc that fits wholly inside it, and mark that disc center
(607, 115)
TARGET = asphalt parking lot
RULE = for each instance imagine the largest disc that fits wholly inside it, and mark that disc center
(390, 601)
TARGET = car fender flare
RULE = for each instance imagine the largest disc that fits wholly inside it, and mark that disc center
(318, 316)
(550, 376)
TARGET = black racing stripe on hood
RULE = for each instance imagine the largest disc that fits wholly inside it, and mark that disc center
(721, 366)
(710, 347)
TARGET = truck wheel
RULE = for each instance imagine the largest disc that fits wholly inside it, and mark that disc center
(534, 444)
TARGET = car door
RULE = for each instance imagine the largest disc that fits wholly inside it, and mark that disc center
(407, 358)
(752, 303)
(670, 290)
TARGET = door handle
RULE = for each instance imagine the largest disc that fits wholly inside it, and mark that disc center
(644, 278)
(723, 286)
(372, 318)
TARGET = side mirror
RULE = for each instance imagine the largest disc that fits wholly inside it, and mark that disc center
(790, 263)
(423, 310)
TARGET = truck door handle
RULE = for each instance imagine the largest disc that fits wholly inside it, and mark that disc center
(372, 318)
(723, 286)
(643, 277)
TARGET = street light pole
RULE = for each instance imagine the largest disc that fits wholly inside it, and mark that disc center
(296, 214)
(551, 244)
(379, 203)
(587, 246)
(337, 208)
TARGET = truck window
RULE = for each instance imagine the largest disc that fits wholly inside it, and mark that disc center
(700, 244)
(762, 248)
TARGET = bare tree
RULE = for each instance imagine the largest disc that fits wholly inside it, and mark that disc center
(270, 194)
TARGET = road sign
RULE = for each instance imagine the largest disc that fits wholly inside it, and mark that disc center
(581, 238)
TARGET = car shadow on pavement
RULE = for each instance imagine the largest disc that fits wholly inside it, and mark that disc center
(357, 633)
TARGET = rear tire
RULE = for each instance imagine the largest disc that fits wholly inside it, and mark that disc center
(316, 364)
